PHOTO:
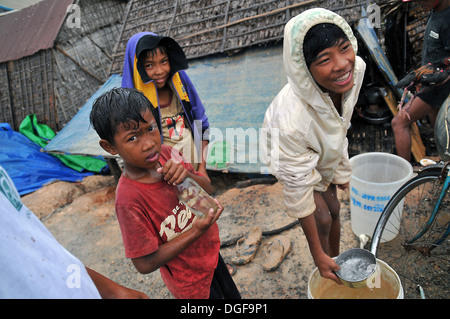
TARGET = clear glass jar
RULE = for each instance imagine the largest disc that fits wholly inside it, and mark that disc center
(195, 197)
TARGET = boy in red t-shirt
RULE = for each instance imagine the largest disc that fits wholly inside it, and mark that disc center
(158, 230)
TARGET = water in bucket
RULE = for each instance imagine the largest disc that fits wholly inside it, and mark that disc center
(375, 178)
(355, 269)
(386, 285)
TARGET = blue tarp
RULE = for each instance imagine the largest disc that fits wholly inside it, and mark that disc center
(78, 136)
(235, 91)
(28, 167)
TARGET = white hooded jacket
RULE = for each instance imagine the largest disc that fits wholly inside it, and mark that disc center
(304, 138)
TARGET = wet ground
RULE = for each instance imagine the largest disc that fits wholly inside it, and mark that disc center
(81, 216)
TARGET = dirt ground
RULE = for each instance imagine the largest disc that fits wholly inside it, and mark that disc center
(81, 216)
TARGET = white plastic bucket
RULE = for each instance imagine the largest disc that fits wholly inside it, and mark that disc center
(375, 178)
(386, 285)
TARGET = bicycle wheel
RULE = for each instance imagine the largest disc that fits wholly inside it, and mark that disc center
(419, 262)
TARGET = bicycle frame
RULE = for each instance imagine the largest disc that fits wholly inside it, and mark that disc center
(441, 197)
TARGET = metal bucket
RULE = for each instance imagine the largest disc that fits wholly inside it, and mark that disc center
(358, 268)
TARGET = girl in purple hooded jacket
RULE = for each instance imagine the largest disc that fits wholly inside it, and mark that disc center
(155, 65)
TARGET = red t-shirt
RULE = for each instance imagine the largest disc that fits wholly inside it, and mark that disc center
(150, 215)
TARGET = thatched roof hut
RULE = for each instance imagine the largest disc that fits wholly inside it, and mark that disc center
(50, 64)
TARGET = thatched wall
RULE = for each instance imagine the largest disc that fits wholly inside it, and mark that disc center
(82, 55)
(26, 87)
(206, 27)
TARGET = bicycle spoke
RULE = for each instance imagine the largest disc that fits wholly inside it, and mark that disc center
(413, 252)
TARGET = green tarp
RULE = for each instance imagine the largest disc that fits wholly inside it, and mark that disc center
(41, 134)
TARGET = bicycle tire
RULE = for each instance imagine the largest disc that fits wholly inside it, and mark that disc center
(416, 264)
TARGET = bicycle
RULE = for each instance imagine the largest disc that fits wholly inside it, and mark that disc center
(417, 217)
(420, 251)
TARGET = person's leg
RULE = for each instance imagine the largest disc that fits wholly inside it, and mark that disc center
(400, 125)
(433, 116)
(222, 285)
(323, 221)
(334, 206)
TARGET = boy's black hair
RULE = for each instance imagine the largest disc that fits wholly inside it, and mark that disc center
(119, 106)
(151, 52)
(320, 37)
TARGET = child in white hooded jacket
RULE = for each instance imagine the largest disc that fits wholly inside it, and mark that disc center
(304, 141)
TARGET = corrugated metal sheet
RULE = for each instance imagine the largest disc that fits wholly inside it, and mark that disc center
(17, 5)
(29, 30)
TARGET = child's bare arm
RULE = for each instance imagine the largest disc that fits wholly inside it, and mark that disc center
(109, 289)
(326, 265)
(171, 249)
